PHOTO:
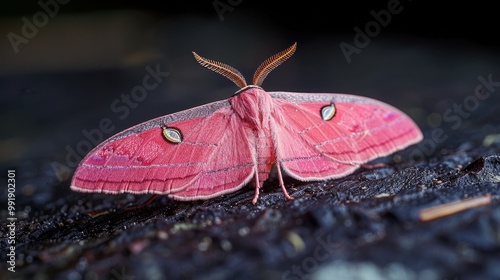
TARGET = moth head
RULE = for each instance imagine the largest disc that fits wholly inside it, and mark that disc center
(260, 74)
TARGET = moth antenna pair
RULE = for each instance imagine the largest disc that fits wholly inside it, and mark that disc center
(260, 74)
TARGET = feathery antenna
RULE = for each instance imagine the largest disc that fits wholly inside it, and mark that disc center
(271, 63)
(225, 70)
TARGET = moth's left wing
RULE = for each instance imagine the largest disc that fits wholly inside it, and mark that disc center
(211, 156)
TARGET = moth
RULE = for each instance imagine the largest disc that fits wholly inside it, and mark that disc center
(220, 147)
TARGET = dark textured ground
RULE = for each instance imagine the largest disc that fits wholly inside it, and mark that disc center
(364, 226)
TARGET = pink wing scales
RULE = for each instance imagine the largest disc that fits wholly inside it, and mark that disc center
(232, 166)
(362, 129)
(212, 159)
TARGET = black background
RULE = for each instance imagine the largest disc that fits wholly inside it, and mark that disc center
(472, 21)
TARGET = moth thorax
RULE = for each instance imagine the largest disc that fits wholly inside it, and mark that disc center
(254, 106)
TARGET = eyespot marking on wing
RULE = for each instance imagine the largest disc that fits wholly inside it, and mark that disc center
(328, 112)
(172, 135)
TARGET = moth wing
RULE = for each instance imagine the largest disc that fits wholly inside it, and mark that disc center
(362, 129)
(210, 160)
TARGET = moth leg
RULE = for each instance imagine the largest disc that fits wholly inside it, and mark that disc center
(146, 203)
(256, 196)
(282, 185)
